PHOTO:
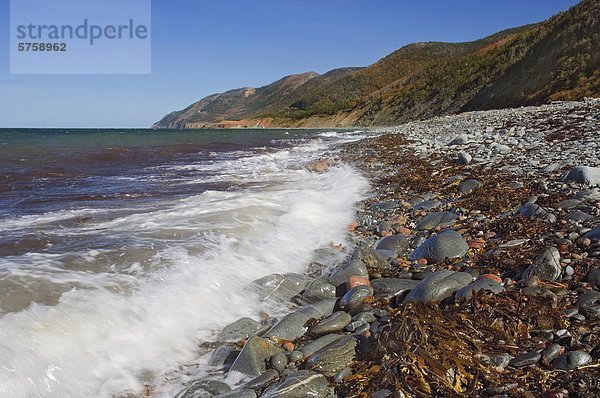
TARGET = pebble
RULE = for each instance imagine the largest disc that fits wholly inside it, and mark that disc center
(332, 324)
(446, 244)
(572, 360)
(438, 286)
(355, 297)
(530, 358)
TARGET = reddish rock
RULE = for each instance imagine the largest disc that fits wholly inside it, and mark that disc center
(493, 277)
(356, 280)
(404, 231)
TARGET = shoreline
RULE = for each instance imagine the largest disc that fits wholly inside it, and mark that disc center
(475, 272)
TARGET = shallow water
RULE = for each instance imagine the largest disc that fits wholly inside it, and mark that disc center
(121, 251)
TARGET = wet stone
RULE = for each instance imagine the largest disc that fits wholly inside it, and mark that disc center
(301, 384)
(204, 389)
(333, 357)
(263, 379)
(334, 323)
(241, 393)
(251, 360)
(355, 297)
(318, 290)
(279, 287)
(341, 274)
(387, 288)
(240, 329)
(224, 356)
(279, 361)
(314, 346)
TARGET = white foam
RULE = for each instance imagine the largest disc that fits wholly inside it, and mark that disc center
(99, 341)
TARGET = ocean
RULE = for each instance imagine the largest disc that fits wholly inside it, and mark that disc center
(123, 250)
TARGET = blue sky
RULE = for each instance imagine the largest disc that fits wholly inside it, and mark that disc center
(200, 47)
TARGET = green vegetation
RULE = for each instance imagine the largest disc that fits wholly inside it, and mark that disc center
(558, 59)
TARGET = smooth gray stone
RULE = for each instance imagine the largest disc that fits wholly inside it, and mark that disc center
(341, 274)
(331, 324)
(460, 140)
(224, 356)
(584, 175)
(240, 329)
(427, 205)
(291, 326)
(301, 384)
(204, 389)
(593, 277)
(314, 346)
(355, 297)
(551, 352)
(333, 357)
(387, 288)
(572, 360)
(241, 393)
(365, 316)
(441, 219)
(578, 215)
(533, 211)
(501, 360)
(295, 356)
(468, 186)
(397, 243)
(438, 286)
(386, 255)
(546, 265)
(342, 374)
(263, 379)
(589, 304)
(485, 284)
(569, 204)
(463, 158)
(319, 309)
(526, 359)
(588, 194)
(446, 244)
(279, 287)
(594, 234)
(251, 360)
(318, 290)
(279, 361)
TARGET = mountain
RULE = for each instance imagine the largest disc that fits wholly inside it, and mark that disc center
(557, 59)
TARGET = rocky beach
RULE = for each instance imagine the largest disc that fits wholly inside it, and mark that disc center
(474, 270)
